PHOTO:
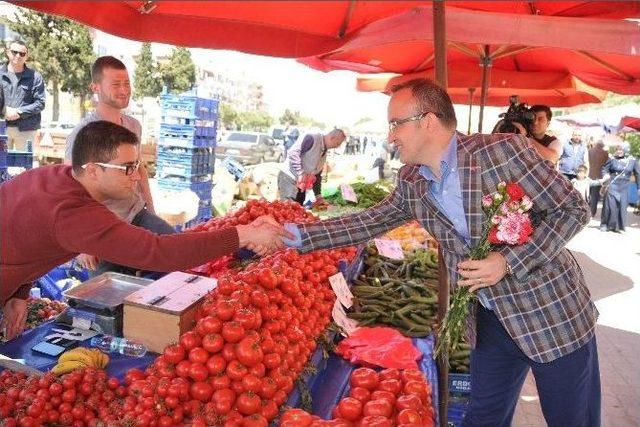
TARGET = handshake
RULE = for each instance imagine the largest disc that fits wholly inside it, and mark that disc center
(263, 236)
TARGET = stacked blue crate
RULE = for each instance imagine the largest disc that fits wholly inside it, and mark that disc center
(186, 144)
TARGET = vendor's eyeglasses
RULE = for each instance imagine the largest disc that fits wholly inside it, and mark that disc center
(128, 169)
(394, 124)
(17, 52)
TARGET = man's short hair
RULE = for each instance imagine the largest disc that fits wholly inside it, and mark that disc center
(539, 107)
(18, 42)
(431, 97)
(338, 131)
(99, 142)
(97, 69)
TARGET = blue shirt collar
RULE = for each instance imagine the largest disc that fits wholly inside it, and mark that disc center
(448, 162)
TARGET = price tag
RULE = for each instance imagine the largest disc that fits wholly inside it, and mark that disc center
(340, 287)
(341, 319)
(389, 248)
(348, 194)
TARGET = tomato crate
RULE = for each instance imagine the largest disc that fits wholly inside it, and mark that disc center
(20, 159)
(187, 135)
(188, 107)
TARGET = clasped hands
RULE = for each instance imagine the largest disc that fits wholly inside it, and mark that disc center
(263, 236)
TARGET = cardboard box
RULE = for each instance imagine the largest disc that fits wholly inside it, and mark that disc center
(159, 313)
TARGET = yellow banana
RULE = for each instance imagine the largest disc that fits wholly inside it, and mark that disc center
(64, 367)
(75, 355)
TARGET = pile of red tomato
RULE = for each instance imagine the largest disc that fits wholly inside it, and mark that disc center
(253, 336)
(376, 399)
(281, 210)
(81, 398)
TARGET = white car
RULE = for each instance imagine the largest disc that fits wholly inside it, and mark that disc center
(249, 148)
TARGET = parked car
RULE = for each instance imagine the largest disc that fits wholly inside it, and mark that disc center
(250, 148)
(277, 133)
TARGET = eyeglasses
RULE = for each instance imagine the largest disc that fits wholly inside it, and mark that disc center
(393, 124)
(128, 169)
(17, 52)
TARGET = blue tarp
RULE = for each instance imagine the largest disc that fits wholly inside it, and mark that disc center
(20, 348)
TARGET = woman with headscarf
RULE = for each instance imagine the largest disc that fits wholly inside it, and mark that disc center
(616, 173)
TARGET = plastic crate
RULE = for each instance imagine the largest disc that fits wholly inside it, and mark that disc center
(460, 383)
(3, 151)
(186, 135)
(188, 107)
(20, 159)
(54, 282)
(184, 162)
(202, 189)
(204, 214)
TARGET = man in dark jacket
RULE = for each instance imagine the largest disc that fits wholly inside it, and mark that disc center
(24, 95)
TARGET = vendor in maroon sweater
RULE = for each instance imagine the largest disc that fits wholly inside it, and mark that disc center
(50, 214)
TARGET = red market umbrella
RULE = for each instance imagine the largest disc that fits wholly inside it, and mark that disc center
(604, 54)
(279, 28)
(630, 122)
(555, 89)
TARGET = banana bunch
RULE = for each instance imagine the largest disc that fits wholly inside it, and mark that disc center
(80, 357)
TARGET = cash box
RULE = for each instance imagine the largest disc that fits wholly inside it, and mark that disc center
(157, 314)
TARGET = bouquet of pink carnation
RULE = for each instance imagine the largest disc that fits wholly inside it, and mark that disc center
(507, 223)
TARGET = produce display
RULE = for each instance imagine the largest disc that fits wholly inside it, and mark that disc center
(82, 397)
(460, 359)
(253, 337)
(40, 310)
(368, 195)
(412, 236)
(383, 399)
(397, 293)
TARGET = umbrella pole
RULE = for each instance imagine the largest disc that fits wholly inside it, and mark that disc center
(440, 42)
(471, 90)
(485, 62)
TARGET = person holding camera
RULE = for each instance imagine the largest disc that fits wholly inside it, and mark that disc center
(547, 146)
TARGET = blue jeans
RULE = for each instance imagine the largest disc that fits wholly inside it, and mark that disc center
(568, 387)
(143, 219)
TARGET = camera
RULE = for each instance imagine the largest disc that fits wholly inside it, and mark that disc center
(517, 113)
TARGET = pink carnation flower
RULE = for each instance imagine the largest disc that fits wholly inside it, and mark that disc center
(514, 228)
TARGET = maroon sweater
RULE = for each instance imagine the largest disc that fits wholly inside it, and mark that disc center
(47, 218)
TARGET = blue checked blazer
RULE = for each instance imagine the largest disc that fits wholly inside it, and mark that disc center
(544, 305)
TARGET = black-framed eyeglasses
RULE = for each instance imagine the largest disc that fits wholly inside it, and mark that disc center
(17, 52)
(393, 124)
(128, 168)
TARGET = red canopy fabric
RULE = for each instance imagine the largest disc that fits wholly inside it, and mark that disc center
(279, 28)
(630, 122)
(550, 88)
(604, 54)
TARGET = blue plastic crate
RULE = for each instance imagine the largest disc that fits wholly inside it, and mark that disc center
(184, 135)
(202, 189)
(189, 107)
(3, 151)
(20, 159)
(54, 282)
(460, 383)
(184, 162)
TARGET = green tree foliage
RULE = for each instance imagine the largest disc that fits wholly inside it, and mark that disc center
(179, 74)
(290, 117)
(145, 79)
(255, 120)
(60, 49)
(228, 116)
(633, 139)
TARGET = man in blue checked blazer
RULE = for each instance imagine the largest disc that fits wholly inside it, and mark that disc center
(534, 309)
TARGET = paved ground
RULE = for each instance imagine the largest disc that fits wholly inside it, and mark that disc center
(611, 264)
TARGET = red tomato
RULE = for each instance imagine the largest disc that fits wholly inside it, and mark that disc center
(408, 401)
(375, 421)
(409, 416)
(378, 407)
(232, 332)
(364, 377)
(249, 352)
(216, 364)
(360, 393)
(174, 353)
(393, 386)
(223, 400)
(248, 403)
(198, 355)
(255, 420)
(411, 375)
(190, 340)
(201, 391)
(198, 372)
(350, 408)
(296, 418)
(213, 342)
(384, 395)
